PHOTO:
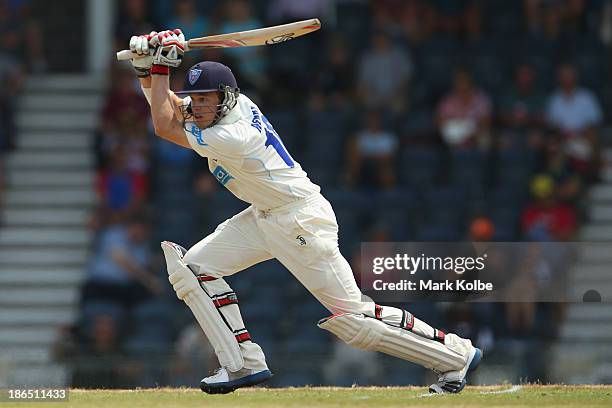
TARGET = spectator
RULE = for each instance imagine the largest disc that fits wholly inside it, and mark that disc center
(335, 80)
(187, 18)
(384, 74)
(122, 191)
(92, 350)
(418, 19)
(371, 155)
(137, 144)
(521, 112)
(104, 335)
(388, 14)
(523, 107)
(133, 19)
(473, 20)
(20, 36)
(11, 29)
(120, 270)
(553, 17)
(11, 79)
(573, 109)
(481, 230)
(167, 153)
(376, 233)
(124, 121)
(194, 355)
(464, 115)
(124, 99)
(12, 32)
(557, 166)
(575, 112)
(458, 17)
(547, 219)
(477, 317)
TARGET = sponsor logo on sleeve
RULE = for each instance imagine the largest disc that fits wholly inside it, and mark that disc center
(222, 175)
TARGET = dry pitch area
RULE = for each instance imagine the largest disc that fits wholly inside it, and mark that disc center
(498, 396)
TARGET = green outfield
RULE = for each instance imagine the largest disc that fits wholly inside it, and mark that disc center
(498, 396)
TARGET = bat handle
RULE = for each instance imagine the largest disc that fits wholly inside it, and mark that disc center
(126, 55)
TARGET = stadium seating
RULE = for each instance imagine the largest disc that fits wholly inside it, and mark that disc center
(419, 167)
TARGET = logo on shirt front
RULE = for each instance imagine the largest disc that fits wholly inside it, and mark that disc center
(222, 175)
(194, 74)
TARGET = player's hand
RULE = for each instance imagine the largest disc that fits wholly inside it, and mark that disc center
(140, 45)
(170, 48)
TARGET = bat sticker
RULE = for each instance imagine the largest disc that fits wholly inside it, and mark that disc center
(280, 38)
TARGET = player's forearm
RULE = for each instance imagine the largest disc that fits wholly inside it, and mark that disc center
(145, 84)
(161, 104)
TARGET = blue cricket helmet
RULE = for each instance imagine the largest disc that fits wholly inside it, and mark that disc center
(208, 76)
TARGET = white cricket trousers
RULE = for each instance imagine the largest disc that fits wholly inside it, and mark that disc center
(303, 236)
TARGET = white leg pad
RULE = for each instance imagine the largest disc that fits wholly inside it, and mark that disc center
(188, 289)
(226, 301)
(371, 334)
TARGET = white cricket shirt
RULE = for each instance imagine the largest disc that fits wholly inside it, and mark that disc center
(247, 156)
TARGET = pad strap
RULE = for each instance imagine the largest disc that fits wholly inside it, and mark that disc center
(406, 320)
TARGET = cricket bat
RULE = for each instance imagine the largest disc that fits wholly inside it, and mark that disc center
(259, 36)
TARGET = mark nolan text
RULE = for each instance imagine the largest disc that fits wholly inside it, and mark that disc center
(435, 286)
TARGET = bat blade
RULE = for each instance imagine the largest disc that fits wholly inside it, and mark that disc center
(259, 36)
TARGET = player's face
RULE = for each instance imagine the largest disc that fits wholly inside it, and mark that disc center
(204, 106)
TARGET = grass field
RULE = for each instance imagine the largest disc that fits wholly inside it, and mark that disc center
(498, 396)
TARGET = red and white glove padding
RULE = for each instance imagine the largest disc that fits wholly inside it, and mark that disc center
(139, 44)
(169, 53)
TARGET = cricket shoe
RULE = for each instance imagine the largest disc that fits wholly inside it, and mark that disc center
(224, 381)
(454, 381)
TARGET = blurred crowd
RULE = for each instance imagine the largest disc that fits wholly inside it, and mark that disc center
(21, 52)
(422, 120)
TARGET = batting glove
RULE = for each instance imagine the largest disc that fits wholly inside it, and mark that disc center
(170, 49)
(140, 45)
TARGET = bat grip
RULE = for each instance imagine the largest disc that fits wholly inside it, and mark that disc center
(126, 55)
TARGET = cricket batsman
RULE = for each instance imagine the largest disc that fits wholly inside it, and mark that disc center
(288, 219)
